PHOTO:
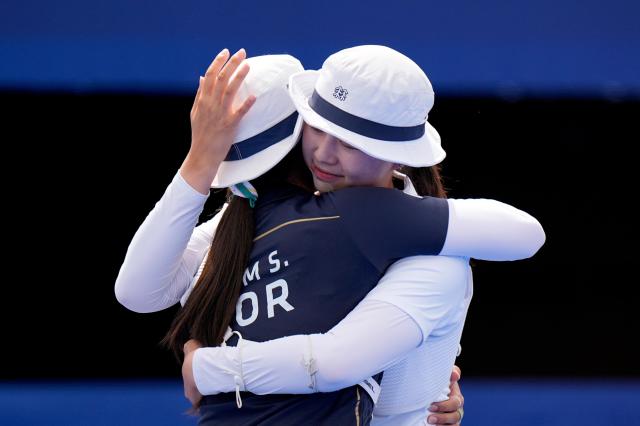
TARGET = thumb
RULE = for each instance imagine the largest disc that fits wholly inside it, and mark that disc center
(456, 374)
(198, 96)
(191, 346)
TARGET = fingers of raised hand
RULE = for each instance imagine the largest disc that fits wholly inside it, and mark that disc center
(214, 69)
(244, 108)
(222, 79)
(194, 107)
(230, 91)
(219, 88)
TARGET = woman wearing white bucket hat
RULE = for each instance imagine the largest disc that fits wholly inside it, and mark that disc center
(375, 99)
(155, 241)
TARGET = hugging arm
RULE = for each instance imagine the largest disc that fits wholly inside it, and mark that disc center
(374, 336)
(166, 251)
(398, 225)
(350, 352)
(491, 230)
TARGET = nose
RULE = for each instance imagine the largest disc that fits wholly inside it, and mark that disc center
(326, 149)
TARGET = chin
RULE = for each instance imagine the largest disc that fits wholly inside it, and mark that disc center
(323, 186)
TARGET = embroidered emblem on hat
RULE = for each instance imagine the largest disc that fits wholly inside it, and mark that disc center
(340, 93)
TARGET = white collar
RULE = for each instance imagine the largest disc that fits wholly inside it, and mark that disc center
(408, 185)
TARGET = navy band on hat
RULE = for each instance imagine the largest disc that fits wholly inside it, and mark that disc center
(263, 140)
(362, 126)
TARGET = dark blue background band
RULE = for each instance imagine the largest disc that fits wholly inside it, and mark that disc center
(362, 126)
(257, 143)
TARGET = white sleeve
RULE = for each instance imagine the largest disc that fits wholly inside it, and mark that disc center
(374, 336)
(427, 288)
(491, 230)
(166, 251)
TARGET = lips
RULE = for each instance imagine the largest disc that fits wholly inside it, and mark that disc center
(323, 174)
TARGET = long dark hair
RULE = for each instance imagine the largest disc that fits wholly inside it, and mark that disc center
(212, 303)
(427, 180)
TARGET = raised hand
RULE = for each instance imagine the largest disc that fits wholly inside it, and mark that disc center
(214, 118)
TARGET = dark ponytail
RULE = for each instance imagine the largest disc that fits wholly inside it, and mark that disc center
(212, 303)
(210, 308)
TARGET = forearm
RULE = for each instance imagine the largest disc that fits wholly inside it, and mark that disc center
(198, 172)
(161, 260)
(371, 338)
(491, 230)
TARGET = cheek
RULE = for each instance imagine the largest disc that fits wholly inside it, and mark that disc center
(369, 171)
(360, 167)
(307, 148)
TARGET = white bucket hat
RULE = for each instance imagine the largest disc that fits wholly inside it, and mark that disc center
(272, 126)
(376, 100)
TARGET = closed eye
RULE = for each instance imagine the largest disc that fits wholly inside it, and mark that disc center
(315, 129)
(346, 145)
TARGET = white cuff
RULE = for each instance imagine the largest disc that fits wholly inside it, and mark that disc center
(217, 370)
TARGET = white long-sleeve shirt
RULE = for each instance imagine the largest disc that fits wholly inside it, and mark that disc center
(409, 326)
(166, 255)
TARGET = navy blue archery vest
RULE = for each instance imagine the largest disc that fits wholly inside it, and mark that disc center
(314, 259)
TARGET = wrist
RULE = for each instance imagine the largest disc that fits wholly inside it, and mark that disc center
(198, 173)
(215, 370)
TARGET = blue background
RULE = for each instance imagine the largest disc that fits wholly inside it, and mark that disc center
(487, 403)
(511, 48)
